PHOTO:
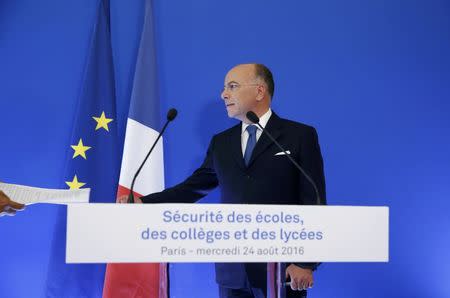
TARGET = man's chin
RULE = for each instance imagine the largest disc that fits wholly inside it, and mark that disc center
(236, 115)
(231, 114)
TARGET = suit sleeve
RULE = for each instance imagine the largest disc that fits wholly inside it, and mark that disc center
(312, 162)
(195, 187)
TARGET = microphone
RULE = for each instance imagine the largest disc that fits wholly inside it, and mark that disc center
(171, 114)
(255, 119)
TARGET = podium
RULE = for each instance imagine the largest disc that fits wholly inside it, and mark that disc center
(160, 233)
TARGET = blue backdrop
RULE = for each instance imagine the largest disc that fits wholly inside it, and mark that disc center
(372, 76)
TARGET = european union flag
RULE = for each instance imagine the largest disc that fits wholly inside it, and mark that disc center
(93, 160)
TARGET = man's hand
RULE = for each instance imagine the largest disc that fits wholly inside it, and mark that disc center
(8, 207)
(124, 200)
(300, 278)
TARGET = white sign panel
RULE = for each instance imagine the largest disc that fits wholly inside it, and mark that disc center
(116, 233)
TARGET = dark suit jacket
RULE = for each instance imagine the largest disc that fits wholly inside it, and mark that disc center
(268, 179)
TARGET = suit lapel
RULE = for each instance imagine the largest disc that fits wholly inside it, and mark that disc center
(236, 148)
(274, 128)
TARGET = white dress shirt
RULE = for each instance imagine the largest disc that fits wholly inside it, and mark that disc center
(244, 134)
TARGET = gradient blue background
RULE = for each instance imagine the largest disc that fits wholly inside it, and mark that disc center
(372, 76)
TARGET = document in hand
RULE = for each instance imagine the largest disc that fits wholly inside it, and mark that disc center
(31, 195)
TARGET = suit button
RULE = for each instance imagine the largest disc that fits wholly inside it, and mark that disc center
(248, 177)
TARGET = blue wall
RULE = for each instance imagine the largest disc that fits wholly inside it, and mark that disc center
(373, 77)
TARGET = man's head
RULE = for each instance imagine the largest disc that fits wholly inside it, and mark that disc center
(248, 87)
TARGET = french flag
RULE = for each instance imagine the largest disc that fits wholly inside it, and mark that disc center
(150, 279)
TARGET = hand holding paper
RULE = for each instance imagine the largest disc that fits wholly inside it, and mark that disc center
(31, 195)
(8, 207)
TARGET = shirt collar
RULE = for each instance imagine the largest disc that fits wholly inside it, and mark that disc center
(262, 120)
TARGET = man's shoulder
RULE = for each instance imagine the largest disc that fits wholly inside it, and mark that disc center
(296, 125)
(281, 123)
(228, 132)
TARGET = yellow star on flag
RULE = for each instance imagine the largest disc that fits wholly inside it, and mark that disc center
(102, 122)
(80, 149)
(75, 184)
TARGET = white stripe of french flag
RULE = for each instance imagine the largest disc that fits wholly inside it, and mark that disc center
(138, 140)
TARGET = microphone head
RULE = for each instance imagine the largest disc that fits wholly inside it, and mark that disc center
(171, 114)
(252, 117)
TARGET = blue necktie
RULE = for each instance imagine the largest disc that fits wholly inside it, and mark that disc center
(251, 129)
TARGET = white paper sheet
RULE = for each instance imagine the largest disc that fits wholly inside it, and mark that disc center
(31, 195)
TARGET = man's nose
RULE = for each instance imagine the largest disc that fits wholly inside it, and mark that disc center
(224, 95)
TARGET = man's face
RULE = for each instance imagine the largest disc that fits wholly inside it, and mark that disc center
(240, 91)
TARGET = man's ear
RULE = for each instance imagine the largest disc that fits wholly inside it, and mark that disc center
(261, 91)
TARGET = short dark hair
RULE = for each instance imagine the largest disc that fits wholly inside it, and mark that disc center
(263, 72)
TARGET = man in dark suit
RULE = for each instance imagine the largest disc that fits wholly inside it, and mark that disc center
(250, 169)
